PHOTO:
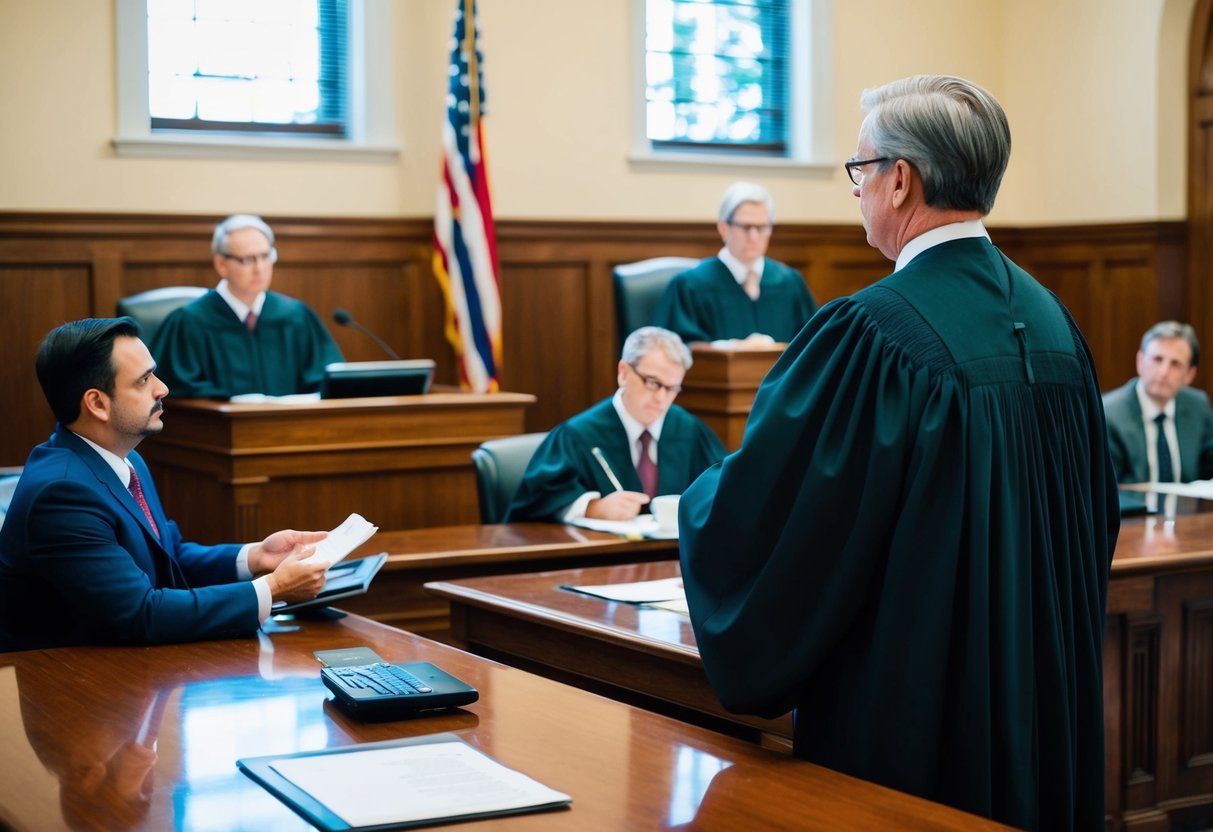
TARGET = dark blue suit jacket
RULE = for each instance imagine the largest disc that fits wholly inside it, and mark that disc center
(79, 563)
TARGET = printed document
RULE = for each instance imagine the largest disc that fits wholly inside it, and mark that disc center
(352, 533)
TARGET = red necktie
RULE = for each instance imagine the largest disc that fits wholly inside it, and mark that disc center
(645, 467)
(251, 321)
(136, 489)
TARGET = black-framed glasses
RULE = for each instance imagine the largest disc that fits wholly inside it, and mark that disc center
(265, 257)
(748, 228)
(855, 167)
(654, 385)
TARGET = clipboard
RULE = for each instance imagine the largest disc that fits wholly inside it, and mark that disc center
(263, 771)
(344, 580)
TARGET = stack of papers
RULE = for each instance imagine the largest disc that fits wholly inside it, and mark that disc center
(641, 526)
(666, 593)
(352, 533)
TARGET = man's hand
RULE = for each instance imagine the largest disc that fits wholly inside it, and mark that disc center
(265, 556)
(618, 505)
(294, 580)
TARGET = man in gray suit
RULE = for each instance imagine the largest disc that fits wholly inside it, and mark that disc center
(1159, 428)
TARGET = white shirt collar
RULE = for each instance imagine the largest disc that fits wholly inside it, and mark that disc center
(1149, 410)
(633, 427)
(738, 269)
(238, 306)
(121, 467)
(936, 236)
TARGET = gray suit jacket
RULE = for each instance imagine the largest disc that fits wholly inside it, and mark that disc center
(1127, 436)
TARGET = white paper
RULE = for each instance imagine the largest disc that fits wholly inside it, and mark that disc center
(262, 398)
(639, 592)
(413, 783)
(352, 533)
(1200, 488)
(643, 525)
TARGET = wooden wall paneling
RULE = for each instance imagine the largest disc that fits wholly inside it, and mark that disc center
(1186, 766)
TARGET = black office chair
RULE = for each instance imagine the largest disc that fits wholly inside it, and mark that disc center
(499, 465)
(638, 287)
(150, 308)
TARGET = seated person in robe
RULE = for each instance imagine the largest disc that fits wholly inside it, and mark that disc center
(740, 294)
(651, 445)
(240, 337)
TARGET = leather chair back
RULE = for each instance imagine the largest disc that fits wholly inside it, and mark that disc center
(150, 308)
(500, 464)
(638, 288)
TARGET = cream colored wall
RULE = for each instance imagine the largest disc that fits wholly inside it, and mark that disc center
(1095, 130)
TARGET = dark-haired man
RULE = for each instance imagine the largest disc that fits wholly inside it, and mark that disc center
(87, 555)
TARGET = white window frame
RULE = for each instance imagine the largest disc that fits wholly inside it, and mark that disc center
(371, 128)
(810, 101)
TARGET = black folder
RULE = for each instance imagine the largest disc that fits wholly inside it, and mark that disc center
(344, 580)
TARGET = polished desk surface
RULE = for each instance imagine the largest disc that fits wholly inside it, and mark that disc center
(652, 652)
(416, 556)
(501, 543)
(147, 738)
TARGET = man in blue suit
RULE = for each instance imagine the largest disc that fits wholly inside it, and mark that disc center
(87, 555)
(1160, 400)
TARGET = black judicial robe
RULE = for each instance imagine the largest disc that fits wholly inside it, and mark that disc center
(705, 303)
(203, 350)
(911, 547)
(563, 467)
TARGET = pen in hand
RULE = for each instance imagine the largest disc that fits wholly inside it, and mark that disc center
(597, 452)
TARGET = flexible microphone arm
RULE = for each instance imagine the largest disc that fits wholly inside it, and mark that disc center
(340, 316)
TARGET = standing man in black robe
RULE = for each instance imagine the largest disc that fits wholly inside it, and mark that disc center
(911, 547)
(240, 337)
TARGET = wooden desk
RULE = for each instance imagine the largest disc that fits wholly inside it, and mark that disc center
(237, 472)
(78, 723)
(721, 386)
(416, 556)
(1158, 659)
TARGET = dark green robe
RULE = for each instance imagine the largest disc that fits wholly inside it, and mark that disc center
(203, 350)
(563, 468)
(706, 303)
(911, 547)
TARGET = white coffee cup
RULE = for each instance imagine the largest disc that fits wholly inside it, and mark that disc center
(665, 511)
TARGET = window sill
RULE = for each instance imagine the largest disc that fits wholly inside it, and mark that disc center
(649, 160)
(249, 147)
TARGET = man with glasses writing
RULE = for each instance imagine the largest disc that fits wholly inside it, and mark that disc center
(240, 337)
(740, 294)
(609, 461)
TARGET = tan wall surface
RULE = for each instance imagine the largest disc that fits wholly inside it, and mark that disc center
(1090, 86)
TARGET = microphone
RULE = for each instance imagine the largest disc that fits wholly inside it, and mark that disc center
(344, 318)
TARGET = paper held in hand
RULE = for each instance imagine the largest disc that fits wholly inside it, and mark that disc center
(352, 533)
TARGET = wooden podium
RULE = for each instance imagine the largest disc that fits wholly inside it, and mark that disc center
(237, 472)
(721, 386)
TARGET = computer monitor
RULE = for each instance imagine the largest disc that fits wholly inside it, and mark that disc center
(352, 379)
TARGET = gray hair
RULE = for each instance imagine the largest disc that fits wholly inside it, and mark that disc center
(644, 340)
(741, 192)
(952, 131)
(1173, 329)
(234, 223)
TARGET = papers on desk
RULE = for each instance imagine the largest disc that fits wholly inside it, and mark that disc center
(641, 526)
(352, 533)
(666, 593)
(262, 398)
(1203, 489)
(399, 783)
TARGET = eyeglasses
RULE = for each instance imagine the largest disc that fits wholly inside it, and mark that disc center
(854, 167)
(270, 256)
(654, 385)
(746, 228)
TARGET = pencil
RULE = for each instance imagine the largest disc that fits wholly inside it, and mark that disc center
(597, 452)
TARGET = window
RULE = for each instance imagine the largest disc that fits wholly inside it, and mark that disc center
(735, 80)
(255, 78)
(276, 66)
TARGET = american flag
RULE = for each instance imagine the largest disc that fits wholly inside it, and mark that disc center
(465, 246)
